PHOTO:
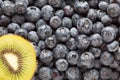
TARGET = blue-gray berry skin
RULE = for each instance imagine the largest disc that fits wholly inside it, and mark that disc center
(45, 73)
(72, 57)
(84, 25)
(105, 73)
(57, 75)
(81, 6)
(19, 19)
(117, 54)
(106, 19)
(40, 3)
(93, 3)
(103, 5)
(32, 36)
(100, 14)
(55, 22)
(59, 13)
(67, 22)
(23, 1)
(4, 20)
(60, 51)
(73, 73)
(62, 34)
(12, 27)
(96, 40)
(97, 64)
(46, 56)
(68, 10)
(92, 14)
(41, 44)
(21, 32)
(113, 10)
(82, 41)
(92, 74)
(97, 27)
(28, 26)
(96, 51)
(115, 64)
(47, 12)
(75, 18)
(71, 44)
(8, 8)
(44, 31)
(55, 3)
(51, 41)
(106, 58)
(3, 31)
(37, 49)
(86, 60)
(33, 14)
(61, 64)
(113, 46)
(74, 32)
(108, 34)
(39, 23)
(115, 75)
(20, 7)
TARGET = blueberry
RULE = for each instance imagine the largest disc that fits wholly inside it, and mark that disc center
(45, 73)
(37, 49)
(103, 5)
(32, 36)
(105, 73)
(100, 14)
(20, 7)
(55, 22)
(19, 19)
(62, 34)
(74, 32)
(93, 3)
(75, 18)
(33, 13)
(108, 34)
(8, 8)
(60, 51)
(4, 20)
(117, 54)
(113, 10)
(44, 31)
(21, 32)
(71, 44)
(73, 73)
(12, 27)
(67, 22)
(82, 41)
(3, 31)
(26, 2)
(41, 44)
(97, 27)
(106, 58)
(28, 26)
(68, 10)
(81, 6)
(97, 64)
(86, 60)
(39, 23)
(92, 74)
(96, 40)
(72, 57)
(92, 14)
(51, 41)
(40, 3)
(84, 25)
(106, 19)
(61, 64)
(46, 56)
(55, 3)
(96, 51)
(59, 13)
(115, 64)
(113, 46)
(47, 12)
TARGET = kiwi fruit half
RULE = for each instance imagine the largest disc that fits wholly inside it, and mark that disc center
(17, 58)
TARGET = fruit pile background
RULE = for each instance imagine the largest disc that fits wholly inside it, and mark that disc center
(73, 39)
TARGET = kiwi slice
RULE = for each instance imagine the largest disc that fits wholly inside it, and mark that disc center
(17, 58)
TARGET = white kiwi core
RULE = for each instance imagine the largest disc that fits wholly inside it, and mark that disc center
(12, 60)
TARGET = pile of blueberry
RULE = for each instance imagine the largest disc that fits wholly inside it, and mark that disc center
(74, 39)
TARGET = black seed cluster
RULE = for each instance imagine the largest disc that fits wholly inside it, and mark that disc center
(73, 39)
